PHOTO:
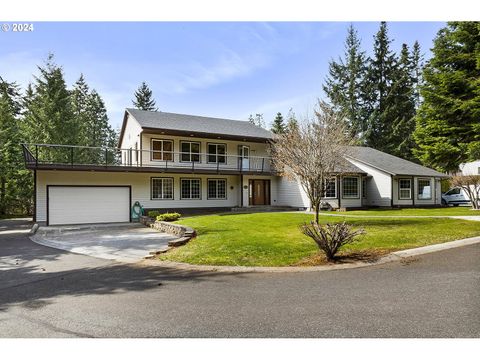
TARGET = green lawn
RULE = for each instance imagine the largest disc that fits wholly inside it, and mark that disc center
(443, 211)
(273, 239)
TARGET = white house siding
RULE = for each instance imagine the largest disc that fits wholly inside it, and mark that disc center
(291, 193)
(131, 136)
(140, 184)
(257, 151)
(471, 168)
(436, 197)
(379, 185)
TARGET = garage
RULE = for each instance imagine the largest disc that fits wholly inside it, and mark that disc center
(87, 204)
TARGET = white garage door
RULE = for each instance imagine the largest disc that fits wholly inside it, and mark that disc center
(88, 204)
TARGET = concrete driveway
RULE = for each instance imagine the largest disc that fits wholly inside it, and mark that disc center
(121, 242)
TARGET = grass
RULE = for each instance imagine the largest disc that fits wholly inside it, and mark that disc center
(443, 211)
(273, 239)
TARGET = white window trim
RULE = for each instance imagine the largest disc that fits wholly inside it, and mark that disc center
(190, 151)
(336, 194)
(162, 179)
(418, 188)
(343, 189)
(409, 189)
(199, 189)
(161, 152)
(216, 153)
(216, 189)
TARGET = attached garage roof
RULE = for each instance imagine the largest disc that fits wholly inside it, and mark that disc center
(198, 125)
(389, 163)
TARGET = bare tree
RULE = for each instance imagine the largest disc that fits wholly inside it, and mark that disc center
(312, 151)
(471, 185)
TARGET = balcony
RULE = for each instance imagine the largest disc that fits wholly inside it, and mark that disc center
(70, 157)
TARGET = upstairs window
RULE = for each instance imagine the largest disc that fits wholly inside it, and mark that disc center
(162, 150)
(190, 151)
(217, 153)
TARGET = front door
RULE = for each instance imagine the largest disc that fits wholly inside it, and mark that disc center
(259, 192)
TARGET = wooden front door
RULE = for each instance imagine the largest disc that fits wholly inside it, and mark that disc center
(259, 192)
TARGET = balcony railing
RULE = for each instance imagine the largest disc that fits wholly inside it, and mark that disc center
(39, 155)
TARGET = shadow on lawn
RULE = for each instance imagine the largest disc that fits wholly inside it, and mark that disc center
(27, 279)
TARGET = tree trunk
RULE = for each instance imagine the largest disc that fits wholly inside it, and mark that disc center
(317, 210)
(3, 185)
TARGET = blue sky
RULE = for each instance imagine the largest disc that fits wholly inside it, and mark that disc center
(223, 69)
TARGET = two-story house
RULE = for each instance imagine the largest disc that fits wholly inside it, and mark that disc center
(177, 162)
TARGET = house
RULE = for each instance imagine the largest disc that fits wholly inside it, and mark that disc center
(470, 168)
(183, 162)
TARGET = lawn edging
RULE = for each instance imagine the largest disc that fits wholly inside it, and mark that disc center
(391, 257)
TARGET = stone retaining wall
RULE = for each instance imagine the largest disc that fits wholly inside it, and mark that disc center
(168, 227)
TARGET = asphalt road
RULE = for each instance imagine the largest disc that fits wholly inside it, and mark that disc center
(46, 292)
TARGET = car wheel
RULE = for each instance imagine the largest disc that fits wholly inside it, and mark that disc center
(444, 203)
(456, 205)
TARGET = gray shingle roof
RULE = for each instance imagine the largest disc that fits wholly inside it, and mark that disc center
(389, 163)
(198, 124)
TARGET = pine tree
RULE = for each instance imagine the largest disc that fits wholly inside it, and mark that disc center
(402, 108)
(377, 92)
(278, 126)
(343, 85)
(15, 181)
(448, 126)
(143, 98)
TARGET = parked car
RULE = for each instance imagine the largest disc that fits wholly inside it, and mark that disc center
(455, 197)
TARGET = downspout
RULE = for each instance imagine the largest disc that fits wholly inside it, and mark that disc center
(339, 193)
(391, 191)
(141, 149)
(414, 193)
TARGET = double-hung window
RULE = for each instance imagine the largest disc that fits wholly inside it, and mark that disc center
(217, 153)
(190, 151)
(217, 189)
(405, 189)
(161, 188)
(424, 189)
(190, 189)
(331, 188)
(162, 150)
(350, 187)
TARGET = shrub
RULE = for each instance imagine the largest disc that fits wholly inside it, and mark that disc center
(168, 217)
(331, 237)
(153, 213)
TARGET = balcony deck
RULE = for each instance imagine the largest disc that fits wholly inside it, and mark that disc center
(85, 158)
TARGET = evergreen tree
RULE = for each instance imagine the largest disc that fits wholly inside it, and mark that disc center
(377, 92)
(448, 125)
(278, 126)
(343, 85)
(143, 98)
(402, 108)
(15, 181)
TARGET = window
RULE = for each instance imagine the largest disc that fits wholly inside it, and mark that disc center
(350, 187)
(331, 188)
(454, 191)
(190, 189)
(162, 150)
(190, 151)
(162, 188)
(478, 170)
(216, 153)
(424, 189)
(217, 189)
(405, 189)
(364, 188)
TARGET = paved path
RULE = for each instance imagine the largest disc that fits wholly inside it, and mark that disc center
(128, 242)
(46, 292)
